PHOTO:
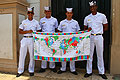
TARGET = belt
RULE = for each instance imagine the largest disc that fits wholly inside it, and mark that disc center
(28, 36)
(96, 34)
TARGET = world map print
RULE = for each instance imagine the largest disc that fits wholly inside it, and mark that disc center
(62, 46)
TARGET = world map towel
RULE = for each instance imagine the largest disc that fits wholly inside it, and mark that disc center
(59, 47)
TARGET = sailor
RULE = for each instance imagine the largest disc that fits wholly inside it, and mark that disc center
(68, 25)
(97, 23)
(26, 28)
(48, 24)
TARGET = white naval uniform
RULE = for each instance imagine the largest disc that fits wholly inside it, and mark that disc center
(48, 25)
(96, 23)
(68, 26)
(27, 43)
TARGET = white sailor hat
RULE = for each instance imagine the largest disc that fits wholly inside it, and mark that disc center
(31, 9)
(69, 9)
(92, 3)
(46, 8)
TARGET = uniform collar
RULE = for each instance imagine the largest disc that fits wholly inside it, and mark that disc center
(49, 18)
(95, 15)
(29, 20)
(68, 20)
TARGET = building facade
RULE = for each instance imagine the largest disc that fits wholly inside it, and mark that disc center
(12, 12)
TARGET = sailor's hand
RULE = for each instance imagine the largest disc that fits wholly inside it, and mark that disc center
(30, 31)
(89, 28)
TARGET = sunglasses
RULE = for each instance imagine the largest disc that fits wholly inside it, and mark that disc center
(48, 11)
(30, 12)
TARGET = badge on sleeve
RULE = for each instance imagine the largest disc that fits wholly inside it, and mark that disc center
(63, 25)
(89, 20)
(43, 22)
(25, 24)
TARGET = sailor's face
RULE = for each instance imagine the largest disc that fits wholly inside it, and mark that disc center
(69, 14)
(30, 15)
(48, 12)
(93, 8)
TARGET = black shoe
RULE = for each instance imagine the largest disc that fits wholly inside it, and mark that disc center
(54, 70)
(42, 70)
(103, 76)
(60, 72)
(75, 73)
(87, 75)
(31, 74)
(18, 75)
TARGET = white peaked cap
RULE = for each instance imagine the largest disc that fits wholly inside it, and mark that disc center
(69, 9)
(47, 8)
(92, 3)
(29, 9)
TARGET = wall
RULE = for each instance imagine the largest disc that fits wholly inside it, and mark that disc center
(6, 50)
(115, 48)
(9, 10)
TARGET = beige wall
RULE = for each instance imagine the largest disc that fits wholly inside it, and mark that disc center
(13, 7)
(115, 48)
(6, 49)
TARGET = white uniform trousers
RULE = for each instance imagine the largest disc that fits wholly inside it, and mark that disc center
(72, 66)
(44, 65)
(26, 44)
(98, 42)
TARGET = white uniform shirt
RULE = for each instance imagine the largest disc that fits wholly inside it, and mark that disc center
(29, 25)
(96, 22)
(48, 25)
(69, 26)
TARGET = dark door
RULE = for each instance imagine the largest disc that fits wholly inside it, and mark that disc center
(80, 10)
